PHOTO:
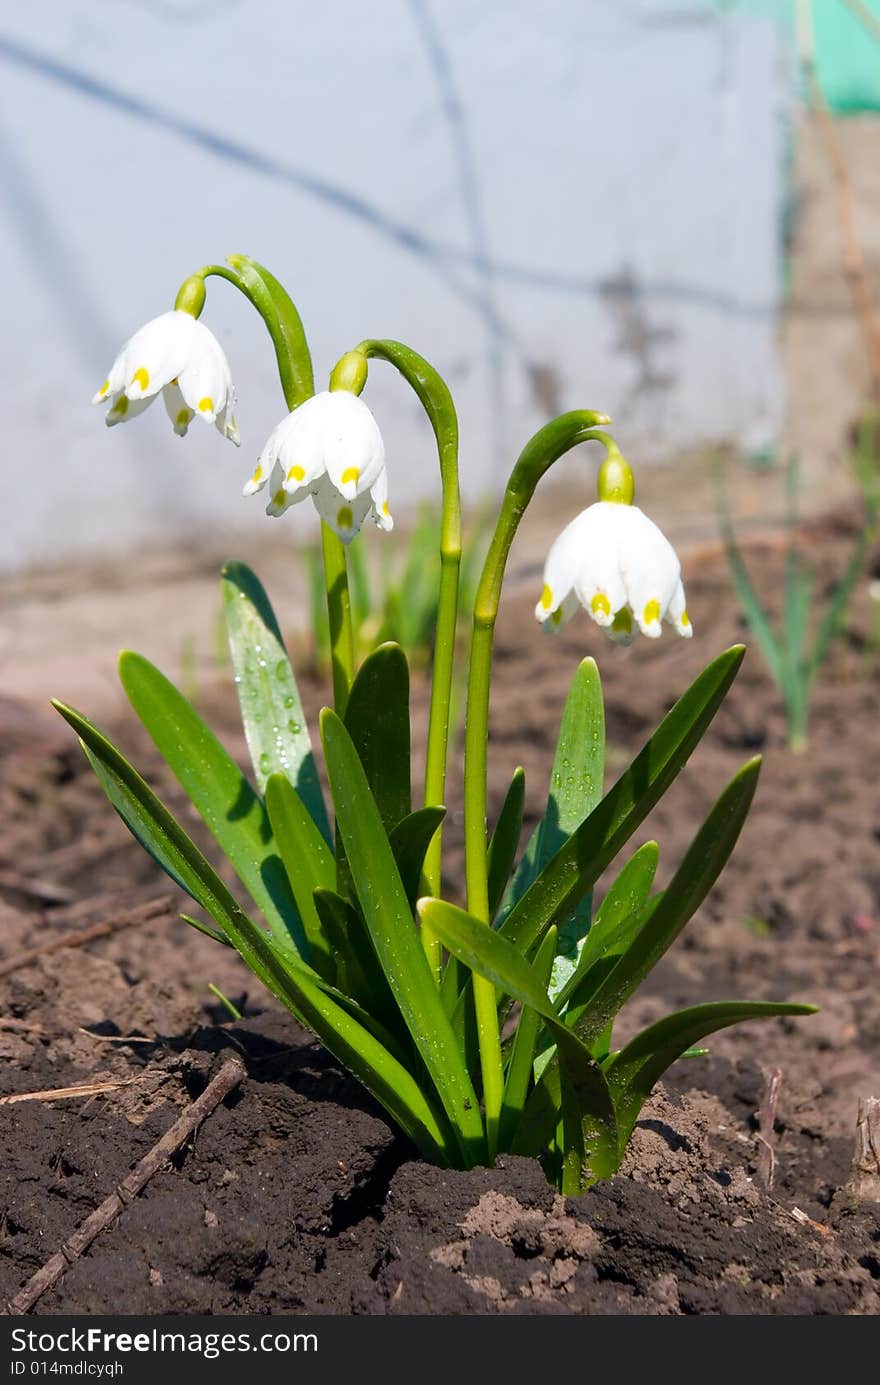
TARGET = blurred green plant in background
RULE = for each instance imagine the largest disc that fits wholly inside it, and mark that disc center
(793, 662)
(398, 599)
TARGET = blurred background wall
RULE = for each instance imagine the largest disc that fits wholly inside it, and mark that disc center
(577, 203)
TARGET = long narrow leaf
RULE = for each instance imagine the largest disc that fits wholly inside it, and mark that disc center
(625, 899)
(271, 708)
(592, 1149)
(505, 839)
(633, 1072)
(703, 863)
(409, 842)
(522, 1053)
(300, 990)
(225, 800)
(377, 720)
(579, 863)
(835, 611)
(575, 781)
(396, 942)
(309, 863)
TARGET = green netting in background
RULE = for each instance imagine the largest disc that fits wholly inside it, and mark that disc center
(847, 46)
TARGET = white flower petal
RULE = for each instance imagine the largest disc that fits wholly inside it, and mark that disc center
(677, 614)
(561, 616)
(156, 353)
(122, 409)
(178, 410)
(279, 500)
(344, 516)
(650, 569)
(352, 445)
(380, 509)
(205, 381)
(560, 569)
(621, 568)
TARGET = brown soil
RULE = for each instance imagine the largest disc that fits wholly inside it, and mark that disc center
(296, 1195)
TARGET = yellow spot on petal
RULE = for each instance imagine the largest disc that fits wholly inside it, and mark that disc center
(141, 377)
(684, 620)
(183, 417)
(279, 498)
(104, 388)
(351, 473)
(206, 405)
(600, 605)
(258, 473)
(623, 621)
(344, 517)
(385, 509)
(546, 598)
(174, 381)
(651, 612)
(296, 473)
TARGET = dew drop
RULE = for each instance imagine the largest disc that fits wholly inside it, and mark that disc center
(281, 669)
(294, 728)
(265, 762)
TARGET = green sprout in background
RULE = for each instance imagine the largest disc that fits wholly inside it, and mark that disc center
(396, 599)
(478, 1029)
(793, 650)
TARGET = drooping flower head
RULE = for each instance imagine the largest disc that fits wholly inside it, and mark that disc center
(329, 448)
(614, 561)
(180, 357)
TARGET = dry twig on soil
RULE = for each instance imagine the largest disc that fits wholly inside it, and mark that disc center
(79, 1089)
(766, 1122)
(227, 1079)
(143, 913)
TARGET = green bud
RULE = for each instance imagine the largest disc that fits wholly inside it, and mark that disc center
(191, 296)
(350, 372)
(616, 482)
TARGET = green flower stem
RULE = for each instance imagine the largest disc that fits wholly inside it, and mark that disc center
(339, 614)
(284, 324)
(538, 455)
(434, 396)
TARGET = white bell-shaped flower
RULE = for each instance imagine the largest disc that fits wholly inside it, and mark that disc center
(615, 562)
(331, 449)
(177, 355)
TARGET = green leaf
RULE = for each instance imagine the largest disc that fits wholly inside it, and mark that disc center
(505, 839)
(581, 860)
(395, 939)
(271, 708)
(219, 791)
(696, 875)
(829, 626)
(750, 603)
(298, 989)
(622, 904)
(409, 841)
(633, 1072)
(377, 720)
(575, 783)
(582, 1097)
(201, 927)
(357, 964)
(309, 863)
(522, 1053)
(150, 822)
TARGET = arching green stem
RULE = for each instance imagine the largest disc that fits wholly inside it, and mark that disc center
(433, 394)
(538, 455)
(284, 324)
